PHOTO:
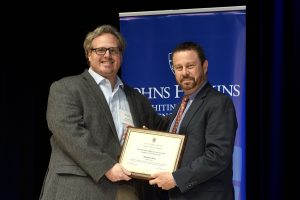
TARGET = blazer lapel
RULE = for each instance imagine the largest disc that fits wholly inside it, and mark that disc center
(100, 99)
(195, 106)
(132, 106)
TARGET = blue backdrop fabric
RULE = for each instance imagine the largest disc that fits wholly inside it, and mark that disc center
(147, 67)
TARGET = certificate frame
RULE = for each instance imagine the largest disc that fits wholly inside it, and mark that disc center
(146, 151)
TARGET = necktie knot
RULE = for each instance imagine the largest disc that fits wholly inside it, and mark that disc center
(185, 98)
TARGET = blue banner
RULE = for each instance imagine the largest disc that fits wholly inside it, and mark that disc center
(222, 34)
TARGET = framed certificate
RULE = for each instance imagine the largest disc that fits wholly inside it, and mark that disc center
(146, 152)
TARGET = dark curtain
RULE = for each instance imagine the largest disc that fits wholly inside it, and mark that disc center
(272, 100)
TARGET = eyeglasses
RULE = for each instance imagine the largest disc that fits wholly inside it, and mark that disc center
(102, 50)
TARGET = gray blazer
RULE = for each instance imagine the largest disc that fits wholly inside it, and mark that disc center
(84, 139)
(206, 169)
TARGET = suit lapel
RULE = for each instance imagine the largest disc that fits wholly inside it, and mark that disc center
(98, 96)
(195, 106)
(132, 106)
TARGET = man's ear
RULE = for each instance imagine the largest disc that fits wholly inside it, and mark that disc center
(205, 67)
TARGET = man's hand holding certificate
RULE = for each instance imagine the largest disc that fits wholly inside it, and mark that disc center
(146, 152)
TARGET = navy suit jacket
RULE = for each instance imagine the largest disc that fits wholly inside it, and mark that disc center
(206, 168)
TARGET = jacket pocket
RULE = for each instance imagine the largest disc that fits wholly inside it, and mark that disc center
(70, 169)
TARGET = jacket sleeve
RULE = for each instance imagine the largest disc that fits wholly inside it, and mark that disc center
(65, 120)
(211, 153)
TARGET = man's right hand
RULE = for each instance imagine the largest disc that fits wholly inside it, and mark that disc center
(118, 173)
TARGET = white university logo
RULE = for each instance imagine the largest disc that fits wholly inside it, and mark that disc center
(170, 63)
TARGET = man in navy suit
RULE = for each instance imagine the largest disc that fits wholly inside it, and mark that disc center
(209, 122)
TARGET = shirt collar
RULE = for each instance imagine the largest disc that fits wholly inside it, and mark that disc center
(98, 78)
(193, 95)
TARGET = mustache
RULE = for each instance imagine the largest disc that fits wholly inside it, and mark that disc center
(186, 78)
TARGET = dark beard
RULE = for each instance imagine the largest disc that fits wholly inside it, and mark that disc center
(189, 86)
